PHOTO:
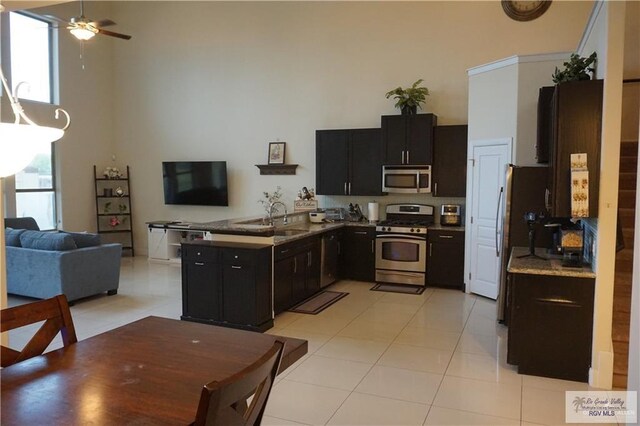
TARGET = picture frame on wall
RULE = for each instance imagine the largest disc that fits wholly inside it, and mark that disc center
(276, 152)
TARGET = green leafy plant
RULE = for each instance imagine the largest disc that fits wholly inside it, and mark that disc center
(576, 69)
(408, 100)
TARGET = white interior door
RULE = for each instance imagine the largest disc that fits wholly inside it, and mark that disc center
(489, 159)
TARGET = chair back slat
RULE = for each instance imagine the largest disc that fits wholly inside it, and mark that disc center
(57, 318)
(224, 402)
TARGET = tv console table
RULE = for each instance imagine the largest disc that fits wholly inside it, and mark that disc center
(166, 237)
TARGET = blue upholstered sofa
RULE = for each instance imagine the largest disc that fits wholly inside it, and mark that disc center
(45, 264)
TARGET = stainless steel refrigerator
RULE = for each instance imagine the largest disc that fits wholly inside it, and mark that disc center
(524, 192)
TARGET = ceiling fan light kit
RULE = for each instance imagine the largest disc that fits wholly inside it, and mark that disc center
(83, 31)
(21, 142)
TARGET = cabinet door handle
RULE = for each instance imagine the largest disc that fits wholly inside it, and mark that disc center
(407, 156)
(435, 189)
(236, 267)
(349, 188)
(547, 198)
(339, 248)
(199, 263)
(309, 259)
(284, 251)
(295, 265)
(360, 232)
(430, 249)
(446, 236)
(402, 157)
(345, 188)
(373, 246)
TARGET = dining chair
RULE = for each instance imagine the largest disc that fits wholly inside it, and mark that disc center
(57, 318)
(225, 402)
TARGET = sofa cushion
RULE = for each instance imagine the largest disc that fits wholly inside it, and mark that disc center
(38, 240)
(12, 237)
(85, 239)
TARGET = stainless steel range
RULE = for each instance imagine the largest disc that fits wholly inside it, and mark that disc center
(401, 244)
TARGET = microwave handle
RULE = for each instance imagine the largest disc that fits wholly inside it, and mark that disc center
(417, 181)
(435, 189)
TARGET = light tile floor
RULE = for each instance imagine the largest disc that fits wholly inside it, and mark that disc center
(374, 358)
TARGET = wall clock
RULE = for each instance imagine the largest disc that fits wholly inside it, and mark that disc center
(525, 10)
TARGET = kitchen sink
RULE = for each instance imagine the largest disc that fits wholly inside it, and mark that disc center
(289, 232)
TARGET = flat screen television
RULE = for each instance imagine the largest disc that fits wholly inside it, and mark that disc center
(195, 183)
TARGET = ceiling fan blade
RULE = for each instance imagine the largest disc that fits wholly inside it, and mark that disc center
(103, 23)
(112, 34)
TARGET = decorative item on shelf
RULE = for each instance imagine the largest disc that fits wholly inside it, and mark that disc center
(107, 207)
(114, 221)
(576, 69)
(268, 199)
(276, 152)
(306, 200)
(122, 208)
(410, 99)
(119, 191)
(107, 192)
(112, 173)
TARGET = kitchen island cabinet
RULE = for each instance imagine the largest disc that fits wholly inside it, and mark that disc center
(227, 284)
(551, 318)
(296, 272)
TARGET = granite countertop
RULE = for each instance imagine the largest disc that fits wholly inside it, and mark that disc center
(298, 227)
(545, 266)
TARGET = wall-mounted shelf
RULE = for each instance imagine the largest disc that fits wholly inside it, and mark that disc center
(277, 169)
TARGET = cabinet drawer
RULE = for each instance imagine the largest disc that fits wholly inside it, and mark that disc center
(200, 253)
(446, 236)
(238, 257)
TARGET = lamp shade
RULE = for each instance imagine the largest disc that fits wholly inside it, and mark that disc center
(83, 33)
(19, 143)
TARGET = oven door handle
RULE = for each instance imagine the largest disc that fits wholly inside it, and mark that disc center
(400, 236)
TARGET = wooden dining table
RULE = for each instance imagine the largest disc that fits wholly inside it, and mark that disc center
(150, 371)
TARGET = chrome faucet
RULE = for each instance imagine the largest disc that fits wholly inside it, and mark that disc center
(285, 220)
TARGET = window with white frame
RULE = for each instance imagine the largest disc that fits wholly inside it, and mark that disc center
(31, 52)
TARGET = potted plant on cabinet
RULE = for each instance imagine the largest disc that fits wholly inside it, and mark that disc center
(576, 69)
(410, 99)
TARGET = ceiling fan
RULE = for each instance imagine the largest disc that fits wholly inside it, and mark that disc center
(84, 29)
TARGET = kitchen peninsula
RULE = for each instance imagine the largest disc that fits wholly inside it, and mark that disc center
(551, 316)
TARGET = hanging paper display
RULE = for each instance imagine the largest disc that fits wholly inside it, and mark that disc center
(579, 185)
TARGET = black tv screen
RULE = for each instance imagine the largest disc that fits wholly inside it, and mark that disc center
(195, 183)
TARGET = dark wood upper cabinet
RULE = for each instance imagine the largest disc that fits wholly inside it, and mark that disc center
(576, 128)
(408, 139)
(545, 114)
(449, 172)
(349, 162)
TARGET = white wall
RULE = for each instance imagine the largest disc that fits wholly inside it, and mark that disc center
(605, 35)
(219, 80)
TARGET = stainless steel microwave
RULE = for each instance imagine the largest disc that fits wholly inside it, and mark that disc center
(406, 179)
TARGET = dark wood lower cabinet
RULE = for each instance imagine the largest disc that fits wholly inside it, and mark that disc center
(296, 272)
(227, 284)
(445, 260)
(358, 253)
(551, 326)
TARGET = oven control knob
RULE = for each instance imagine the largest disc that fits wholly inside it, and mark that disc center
(412, 230)
(388, 228)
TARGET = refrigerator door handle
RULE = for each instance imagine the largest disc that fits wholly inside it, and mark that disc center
(497, 220)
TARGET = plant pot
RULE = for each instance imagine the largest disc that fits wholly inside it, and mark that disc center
(409, 110)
